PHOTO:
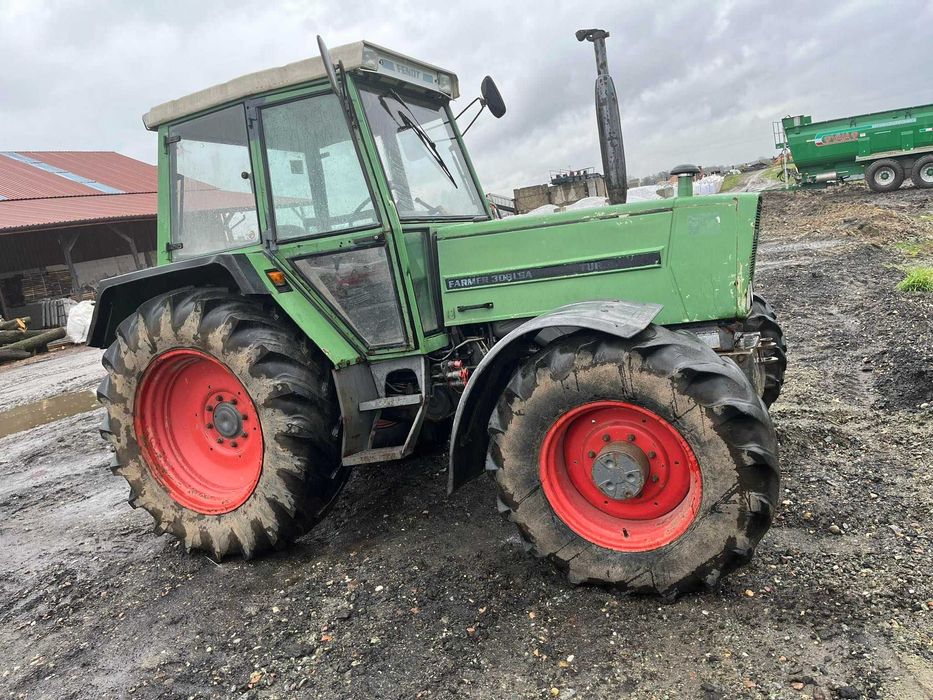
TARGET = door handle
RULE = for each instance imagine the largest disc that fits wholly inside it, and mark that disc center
(473, 307)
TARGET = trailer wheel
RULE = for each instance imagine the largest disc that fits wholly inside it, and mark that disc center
(922, 174)
(884, 175)
(763, 320)
(223, 422)
(649, 463)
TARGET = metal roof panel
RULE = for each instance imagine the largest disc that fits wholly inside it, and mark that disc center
(59, 212)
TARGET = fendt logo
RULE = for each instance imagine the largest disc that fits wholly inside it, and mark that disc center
(830, 139)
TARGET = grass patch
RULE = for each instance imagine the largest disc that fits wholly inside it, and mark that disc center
(912, 249)
(730, 182)
(776, 173)
(918, 279)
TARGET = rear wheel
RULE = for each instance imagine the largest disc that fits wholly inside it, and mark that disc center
(922, 174)
(223, 422)
(762, 319)
(648, 463)
(884, 175)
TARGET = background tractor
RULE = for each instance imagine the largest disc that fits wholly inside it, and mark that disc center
(332, 289)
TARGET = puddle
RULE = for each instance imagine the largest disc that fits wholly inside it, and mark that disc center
(46, 411)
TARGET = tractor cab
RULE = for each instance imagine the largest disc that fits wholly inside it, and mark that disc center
(338, 175)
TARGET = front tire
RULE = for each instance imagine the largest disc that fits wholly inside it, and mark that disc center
(702, 443)
(223, 422)
(762, 319)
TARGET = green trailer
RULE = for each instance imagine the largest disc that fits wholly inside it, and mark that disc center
(884, 147)
(332, 291)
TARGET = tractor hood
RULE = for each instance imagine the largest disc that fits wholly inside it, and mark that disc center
(694, 255)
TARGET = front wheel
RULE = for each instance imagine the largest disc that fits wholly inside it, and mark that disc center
(223, 422)
(649, 463)
(762, 319)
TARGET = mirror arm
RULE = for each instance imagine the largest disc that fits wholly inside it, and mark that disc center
(483, 103)
(475, 100)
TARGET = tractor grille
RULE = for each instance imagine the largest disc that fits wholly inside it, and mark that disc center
(751, 263)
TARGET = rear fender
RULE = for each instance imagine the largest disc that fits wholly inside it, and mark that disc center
(469, 439)
(118, 297)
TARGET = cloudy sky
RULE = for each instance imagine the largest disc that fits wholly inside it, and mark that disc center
(699, 81)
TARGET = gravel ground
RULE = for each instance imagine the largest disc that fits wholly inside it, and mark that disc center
(44, 376)
(405, 593)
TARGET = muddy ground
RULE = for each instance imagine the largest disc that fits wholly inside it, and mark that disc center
(406, 593)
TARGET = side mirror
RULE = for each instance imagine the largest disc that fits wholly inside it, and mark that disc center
(492, 97)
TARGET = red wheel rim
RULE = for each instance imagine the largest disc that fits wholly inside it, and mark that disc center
(198, 431)
(670, 492)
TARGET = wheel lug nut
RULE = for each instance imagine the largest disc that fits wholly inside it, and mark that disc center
(630, 437)
(210, 408)
(210, 426)
(219, 397)
(591, 454)
(233, 444)
(220, 440)
(244, 416)
(606, 438)
(654, 478)
(652, 454)
(244, 435)
(233, 401)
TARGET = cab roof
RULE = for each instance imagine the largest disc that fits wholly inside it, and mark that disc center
(363, 56)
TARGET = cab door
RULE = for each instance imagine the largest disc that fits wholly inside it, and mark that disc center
(327, 229)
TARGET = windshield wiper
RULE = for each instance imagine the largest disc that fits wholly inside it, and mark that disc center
(413, 124)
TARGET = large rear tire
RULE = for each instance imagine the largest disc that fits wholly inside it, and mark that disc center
(701, 442)
(763, 320)
(223, 420)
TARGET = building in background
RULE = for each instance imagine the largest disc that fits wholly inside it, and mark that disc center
(68, 219)
(566, 187)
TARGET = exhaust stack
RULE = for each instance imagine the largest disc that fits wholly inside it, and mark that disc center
(607, 118)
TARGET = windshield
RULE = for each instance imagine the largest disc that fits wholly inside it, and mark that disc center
(424, 164)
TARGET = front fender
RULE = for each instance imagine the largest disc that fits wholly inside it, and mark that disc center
(469, 439)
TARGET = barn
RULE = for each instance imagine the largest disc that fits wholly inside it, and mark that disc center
(67, 220)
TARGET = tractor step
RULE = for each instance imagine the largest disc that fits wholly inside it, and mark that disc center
(392, 402)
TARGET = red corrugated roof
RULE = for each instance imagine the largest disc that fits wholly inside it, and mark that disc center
(22, 181)
(119, 171)
(33, 198)
(55, 212)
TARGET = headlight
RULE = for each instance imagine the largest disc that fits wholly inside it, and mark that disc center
(370, 59)
(444, 83)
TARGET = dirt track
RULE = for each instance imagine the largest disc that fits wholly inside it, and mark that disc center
(405, 593)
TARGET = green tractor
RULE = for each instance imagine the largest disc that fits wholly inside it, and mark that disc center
(333, 289)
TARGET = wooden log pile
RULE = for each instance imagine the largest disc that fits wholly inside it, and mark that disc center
(17, 342)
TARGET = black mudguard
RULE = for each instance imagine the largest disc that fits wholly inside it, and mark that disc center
(118, 297)
(469, 439)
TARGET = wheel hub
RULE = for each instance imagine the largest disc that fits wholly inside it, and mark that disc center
(620, 471)
(227, 419)
(620, 476)
(198, 431)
